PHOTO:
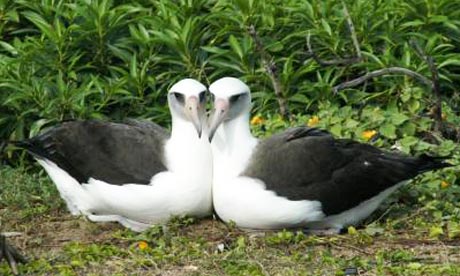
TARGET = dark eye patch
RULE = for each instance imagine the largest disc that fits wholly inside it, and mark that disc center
(179, 97)
(235, 98)
(202, 96)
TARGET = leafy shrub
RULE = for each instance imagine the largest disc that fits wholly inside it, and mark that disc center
(114, 59)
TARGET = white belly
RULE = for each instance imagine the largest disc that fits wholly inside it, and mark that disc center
(185, 189)
(247, 203)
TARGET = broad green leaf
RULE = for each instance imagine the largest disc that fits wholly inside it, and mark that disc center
(235, 46)
(407, 143)
(414, 23)
(300, 98)
(351, 124)
(414, 266)
(455, 62)
(37, 126)
(8, 47)
(408, 128)
(133, 67)
(275, 47)
(413, 105)
(453, 229)
(436, 231)
(326, 27)
(41, 23)
(214, 50)
(336, 130)
(438, 18)
(398, 118)
(352, 230)
(388, 130)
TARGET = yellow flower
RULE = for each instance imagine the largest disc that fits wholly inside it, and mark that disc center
(444, 184)
(142, 245)
(257, 120)
(313, 121)
(368, 134)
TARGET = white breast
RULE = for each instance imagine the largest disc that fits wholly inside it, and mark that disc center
(244, 200)
(185, 189)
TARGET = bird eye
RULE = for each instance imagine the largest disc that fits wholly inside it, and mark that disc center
(179, 97)
(202, 96)
(235, 98)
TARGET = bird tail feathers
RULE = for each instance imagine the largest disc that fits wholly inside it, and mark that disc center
(429, 163)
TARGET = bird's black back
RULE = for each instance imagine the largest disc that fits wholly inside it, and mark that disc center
(117, 153)
(306, 163)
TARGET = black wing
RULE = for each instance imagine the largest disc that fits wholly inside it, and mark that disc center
(305, 163)
(117, 153)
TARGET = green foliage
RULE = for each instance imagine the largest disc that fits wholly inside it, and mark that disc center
(113, 59)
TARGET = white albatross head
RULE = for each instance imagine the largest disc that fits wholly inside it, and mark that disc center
(232, 99)
(187, 101)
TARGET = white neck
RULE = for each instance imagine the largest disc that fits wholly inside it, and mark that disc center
(233, 144)
(181, 130)
(237, 132)
(188, 150)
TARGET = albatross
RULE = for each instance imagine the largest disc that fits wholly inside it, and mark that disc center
(133, 172)
(299, 178)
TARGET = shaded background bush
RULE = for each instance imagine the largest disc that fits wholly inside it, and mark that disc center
(63, 60)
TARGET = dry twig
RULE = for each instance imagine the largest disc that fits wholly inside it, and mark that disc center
(340, 61)
(351, 28)
(435, 87)
(381, 72)
(270, 68)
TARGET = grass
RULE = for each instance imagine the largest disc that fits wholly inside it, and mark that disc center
(414, 233)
